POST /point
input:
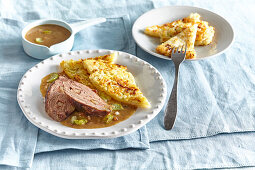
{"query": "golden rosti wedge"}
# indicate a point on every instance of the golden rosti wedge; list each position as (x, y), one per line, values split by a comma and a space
(187, 37)
(109, 58)
(173, 29)
(75, 70)
(115, 81)
(205, 33)
(154, 30)
(193, 18)
(170, 29)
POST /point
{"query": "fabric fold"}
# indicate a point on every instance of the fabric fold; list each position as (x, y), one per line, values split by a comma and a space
(212, 152)
(47, 142)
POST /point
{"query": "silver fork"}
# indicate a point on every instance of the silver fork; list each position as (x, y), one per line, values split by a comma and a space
(171, 109)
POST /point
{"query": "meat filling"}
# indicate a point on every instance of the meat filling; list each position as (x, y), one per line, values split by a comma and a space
(66, 95)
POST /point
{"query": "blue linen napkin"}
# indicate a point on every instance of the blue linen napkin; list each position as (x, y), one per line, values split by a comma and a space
(17, 136)
(233, 150)
(213, 152)
(47, 142)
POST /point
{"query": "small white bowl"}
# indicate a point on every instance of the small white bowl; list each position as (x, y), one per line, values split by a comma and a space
(43, 52)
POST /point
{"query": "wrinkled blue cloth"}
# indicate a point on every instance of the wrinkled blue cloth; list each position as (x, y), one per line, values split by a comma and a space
(214, 152)
(216, 95)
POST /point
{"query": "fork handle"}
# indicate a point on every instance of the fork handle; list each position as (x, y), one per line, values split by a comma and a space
(171, 108)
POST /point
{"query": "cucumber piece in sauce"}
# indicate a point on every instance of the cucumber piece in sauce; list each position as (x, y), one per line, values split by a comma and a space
(117, 106)
(108, 118)
(53, 77)
(47, 32)
(81, 122)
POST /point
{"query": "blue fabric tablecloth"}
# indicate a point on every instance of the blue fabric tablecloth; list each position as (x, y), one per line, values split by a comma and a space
(216, 96)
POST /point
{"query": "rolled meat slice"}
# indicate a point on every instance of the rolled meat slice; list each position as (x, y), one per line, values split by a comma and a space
(57, 103)
(85, 99)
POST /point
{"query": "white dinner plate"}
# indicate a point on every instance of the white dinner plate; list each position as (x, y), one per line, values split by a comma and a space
(147, 77)
(224, 34)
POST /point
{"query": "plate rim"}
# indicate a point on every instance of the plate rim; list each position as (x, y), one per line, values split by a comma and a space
(195, 7)
(117, 133)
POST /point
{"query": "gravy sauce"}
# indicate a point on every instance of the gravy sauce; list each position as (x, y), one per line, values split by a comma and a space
(92, 121)
(48, 34)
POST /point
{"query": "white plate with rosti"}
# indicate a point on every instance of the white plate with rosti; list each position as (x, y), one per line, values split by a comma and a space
(148, 79)
(223, 38)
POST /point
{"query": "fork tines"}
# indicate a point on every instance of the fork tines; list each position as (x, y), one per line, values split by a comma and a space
(183, 49)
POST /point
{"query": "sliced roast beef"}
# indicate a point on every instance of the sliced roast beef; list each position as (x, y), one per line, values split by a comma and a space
(66, 95)
(57, 103)
(85, 99)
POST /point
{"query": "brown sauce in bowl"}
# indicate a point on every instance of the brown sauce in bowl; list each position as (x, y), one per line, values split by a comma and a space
(48, 34)
(92, 121)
